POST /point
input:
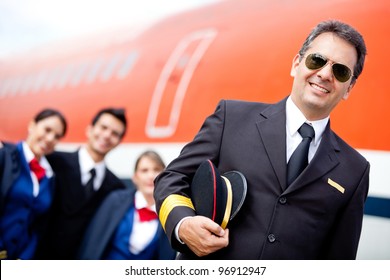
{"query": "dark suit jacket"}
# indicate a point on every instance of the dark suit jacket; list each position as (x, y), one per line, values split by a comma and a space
(311, 219)
(106, 221)
(71, 210)
(10, 167)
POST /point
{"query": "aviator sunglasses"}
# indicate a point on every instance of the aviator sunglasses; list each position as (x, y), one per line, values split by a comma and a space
(316, 61)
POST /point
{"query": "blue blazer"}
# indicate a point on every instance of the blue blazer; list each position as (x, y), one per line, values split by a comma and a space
(23, 217)
(105, 222)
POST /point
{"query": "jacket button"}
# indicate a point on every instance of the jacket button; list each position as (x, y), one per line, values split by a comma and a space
(283, 200)
(271, 238)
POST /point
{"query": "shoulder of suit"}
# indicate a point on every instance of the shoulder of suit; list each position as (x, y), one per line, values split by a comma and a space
(9, 155)
(245, 104)
(123, 193)
(59, 159)
(114, 179)
(123, 197)
(353, 154)
(10, 150)
(8, 145)
(243, 107)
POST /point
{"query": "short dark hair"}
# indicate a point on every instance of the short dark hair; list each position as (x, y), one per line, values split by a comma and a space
(343, 31)
(118, 113)
(49, 112)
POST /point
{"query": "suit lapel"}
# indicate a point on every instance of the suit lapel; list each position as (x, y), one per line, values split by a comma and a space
(323, 161)
(274, 139)
(124, 200)
(107, 184)
(73, 188)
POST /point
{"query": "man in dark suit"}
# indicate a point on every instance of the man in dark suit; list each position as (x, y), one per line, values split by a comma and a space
(82, 182)
(316, 215)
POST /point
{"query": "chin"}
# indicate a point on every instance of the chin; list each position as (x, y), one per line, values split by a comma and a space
(148, 193)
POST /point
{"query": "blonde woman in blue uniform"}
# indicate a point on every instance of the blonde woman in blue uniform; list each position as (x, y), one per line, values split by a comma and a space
(126, 225)
(27, 185)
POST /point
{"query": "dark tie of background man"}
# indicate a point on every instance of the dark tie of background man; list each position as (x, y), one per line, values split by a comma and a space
(299, 159)
(89, 190)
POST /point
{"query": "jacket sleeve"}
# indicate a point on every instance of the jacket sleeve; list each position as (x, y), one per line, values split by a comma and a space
(172, 187)
(104, 223)
(9, 169)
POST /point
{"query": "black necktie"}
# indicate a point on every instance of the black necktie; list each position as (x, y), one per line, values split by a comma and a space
(299, 159)
(89, 190)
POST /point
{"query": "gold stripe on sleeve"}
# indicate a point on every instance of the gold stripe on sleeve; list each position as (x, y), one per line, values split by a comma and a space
(172, 201)
(3, 255)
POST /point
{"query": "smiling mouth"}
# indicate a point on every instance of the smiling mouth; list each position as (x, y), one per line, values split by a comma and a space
(103, 144)
(317, 87)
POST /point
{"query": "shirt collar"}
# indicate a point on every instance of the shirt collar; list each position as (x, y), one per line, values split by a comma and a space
(87, 163)
(295, 119)
(140, 202)
(29, 155)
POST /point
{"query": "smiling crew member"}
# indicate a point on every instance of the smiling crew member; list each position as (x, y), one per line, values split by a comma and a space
(306, 187)
(82, 182)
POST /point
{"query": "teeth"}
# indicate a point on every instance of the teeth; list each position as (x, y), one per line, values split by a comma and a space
(319, 88)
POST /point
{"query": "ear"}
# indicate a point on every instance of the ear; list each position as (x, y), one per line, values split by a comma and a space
(31, 126)
(348, 92)
(295, 64)
(88, 131)
(30, 129)
(135, 180)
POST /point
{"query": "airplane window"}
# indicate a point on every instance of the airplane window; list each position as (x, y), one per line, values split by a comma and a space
(109, 69)
(127, 65)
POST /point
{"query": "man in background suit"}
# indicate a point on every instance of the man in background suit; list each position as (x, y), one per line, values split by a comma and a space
(316, 216)
(79, 189)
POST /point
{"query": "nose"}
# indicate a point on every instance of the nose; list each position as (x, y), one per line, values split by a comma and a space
(51, 137)
(106, 134)
(326, 72)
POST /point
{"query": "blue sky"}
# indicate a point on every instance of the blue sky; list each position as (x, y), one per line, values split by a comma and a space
(29, 23)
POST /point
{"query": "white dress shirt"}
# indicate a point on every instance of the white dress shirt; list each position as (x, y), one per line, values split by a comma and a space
(294, 120)
(86, 164)
(143, 232)
(29, 155)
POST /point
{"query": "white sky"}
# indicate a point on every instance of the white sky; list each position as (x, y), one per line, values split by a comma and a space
(28, 23)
